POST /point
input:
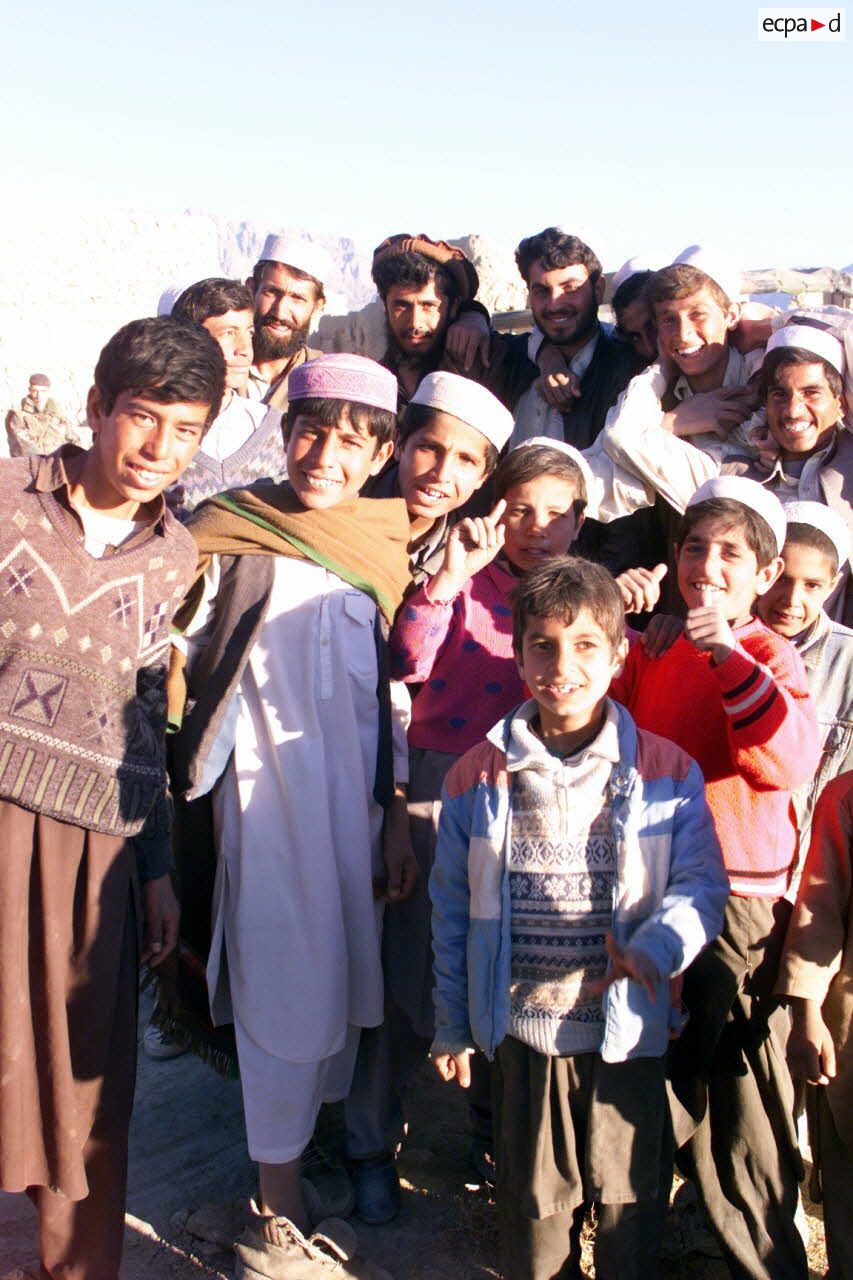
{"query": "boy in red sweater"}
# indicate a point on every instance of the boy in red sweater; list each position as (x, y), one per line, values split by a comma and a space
(734, 695)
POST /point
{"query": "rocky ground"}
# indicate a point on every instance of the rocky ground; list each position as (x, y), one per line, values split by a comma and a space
(189, 1172)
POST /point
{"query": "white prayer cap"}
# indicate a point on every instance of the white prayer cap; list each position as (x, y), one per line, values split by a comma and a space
(168, 298)
(816, 341)
(468, 401)
(714, 264)
(826, 520)
(570, 451)
(298, 252)
(640, 262)
(750, 494)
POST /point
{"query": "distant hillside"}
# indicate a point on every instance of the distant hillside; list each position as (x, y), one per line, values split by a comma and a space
(67, 283)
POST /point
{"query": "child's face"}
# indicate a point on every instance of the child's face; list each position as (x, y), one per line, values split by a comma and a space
(802, 409)
(234, 332)
(637, 326)
(540, 520)
(328, 465)
(799, 593)
(441, 466)
(140, 448)
(716, 565)
(693, 331)
(568, 668)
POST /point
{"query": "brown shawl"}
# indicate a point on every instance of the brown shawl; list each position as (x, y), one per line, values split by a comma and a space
(364, 541)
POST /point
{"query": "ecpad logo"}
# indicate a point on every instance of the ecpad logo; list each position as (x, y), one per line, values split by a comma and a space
(801, 24)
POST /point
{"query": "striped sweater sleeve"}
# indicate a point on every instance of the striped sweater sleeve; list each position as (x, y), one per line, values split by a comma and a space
(770, 719)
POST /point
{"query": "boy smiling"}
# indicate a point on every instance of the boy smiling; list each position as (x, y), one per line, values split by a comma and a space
(576, 870)
(447, 446)
(97, 565)
(734, 695)
(289, 733)
(815, 554)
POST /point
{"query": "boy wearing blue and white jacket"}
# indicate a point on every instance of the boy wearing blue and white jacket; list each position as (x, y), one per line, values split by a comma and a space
(577, 871)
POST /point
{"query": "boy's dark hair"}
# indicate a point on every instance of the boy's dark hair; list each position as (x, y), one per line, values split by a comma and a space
(784, 357)
(258, 275)
(560, 589)
(679, 281)
(555, 248)
(806, 535)
(523, 464)
(165, 360)
(629, 290)
(379, 423)
(760, 538)
(415, 271)
(212, 297)
(416, 416)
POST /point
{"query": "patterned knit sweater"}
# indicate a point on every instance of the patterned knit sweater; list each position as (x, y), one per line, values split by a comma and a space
(261, 457)
(751, 727)
(562, 876)
(83, 651)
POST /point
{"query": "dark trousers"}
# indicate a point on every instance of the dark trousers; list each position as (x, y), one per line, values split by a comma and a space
(834, 1161)
(573, 1131)
(732, 1096)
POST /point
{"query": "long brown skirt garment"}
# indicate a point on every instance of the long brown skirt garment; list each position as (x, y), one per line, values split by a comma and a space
(67, 999)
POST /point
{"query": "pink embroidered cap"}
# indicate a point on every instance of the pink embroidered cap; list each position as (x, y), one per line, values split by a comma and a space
(344, 377)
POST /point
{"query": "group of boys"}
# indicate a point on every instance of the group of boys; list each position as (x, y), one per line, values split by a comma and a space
(613, 828)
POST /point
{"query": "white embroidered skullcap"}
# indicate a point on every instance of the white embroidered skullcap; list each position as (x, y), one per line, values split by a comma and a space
(714, 264)
(468, 401)
(640, 262)
(168, 298)
(299, 252)
(816, 341)
(750, 494)
(826, 520)
(570, 451)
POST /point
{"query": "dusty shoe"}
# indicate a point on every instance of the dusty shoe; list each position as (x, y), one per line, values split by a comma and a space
(272, 1248)
(331, 1194)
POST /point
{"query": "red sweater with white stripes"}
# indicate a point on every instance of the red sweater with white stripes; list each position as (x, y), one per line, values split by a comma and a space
(750, 725)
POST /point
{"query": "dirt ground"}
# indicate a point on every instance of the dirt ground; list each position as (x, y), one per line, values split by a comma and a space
(189, 1170)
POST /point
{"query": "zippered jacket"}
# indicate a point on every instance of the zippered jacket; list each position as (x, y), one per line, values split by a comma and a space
(669, 893)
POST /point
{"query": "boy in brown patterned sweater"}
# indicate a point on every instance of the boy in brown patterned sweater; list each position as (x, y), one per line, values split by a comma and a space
(92, 568)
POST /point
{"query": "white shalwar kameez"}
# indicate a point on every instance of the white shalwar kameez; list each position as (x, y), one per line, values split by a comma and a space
(295, 955)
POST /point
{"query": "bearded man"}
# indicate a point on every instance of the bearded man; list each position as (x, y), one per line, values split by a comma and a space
(288, 284)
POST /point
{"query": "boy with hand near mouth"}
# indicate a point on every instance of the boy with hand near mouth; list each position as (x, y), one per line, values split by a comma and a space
(447, 446)
(734, 695)
(576, 871)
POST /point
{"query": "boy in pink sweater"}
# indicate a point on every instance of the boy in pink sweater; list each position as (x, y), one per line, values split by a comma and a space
(734, 695)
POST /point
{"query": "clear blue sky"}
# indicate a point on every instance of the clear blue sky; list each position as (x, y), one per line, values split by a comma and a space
(642, 124)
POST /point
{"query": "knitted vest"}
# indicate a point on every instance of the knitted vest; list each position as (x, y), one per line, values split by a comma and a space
(262, 457)
(83, 653)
